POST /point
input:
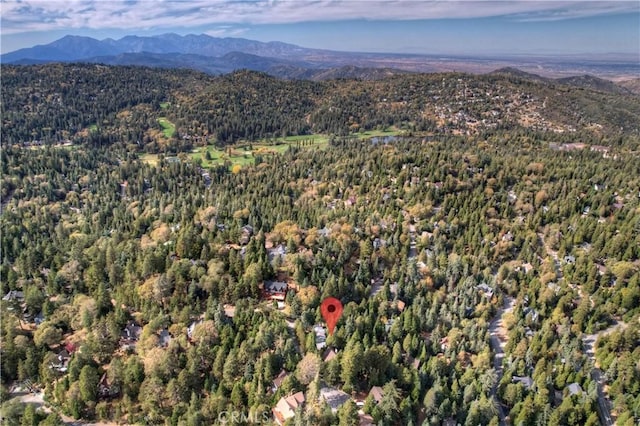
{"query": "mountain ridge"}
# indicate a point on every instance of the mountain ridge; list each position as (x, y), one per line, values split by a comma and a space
(252, 105)
(73, 48)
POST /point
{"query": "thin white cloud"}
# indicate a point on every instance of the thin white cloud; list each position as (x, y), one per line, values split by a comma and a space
(226, 31)
(22, 16)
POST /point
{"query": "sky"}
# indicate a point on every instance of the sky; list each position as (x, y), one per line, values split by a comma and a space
(478, 27)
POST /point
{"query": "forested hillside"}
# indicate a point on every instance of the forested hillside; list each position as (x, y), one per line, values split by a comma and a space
(99, 104)
(488, 273)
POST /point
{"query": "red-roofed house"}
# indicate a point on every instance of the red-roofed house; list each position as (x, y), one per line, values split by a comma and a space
(286, 407)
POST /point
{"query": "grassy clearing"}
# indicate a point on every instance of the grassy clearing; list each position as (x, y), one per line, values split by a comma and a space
(245, 153)
(217, 156)
(234, 155)
(93, 127)
(165, 105)
(379, 133)
(151, 159)
(168, 128)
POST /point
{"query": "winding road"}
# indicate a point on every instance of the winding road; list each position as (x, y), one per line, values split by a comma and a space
(604, 409)
(498, 340)
(589, 342)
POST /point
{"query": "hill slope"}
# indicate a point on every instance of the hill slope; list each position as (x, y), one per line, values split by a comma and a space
(594, 83)
(632, 85)
(58, 102)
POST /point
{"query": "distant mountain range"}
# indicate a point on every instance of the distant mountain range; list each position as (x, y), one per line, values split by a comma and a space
(215, 55)
(76, 48)
(203, 53)
(581, 81)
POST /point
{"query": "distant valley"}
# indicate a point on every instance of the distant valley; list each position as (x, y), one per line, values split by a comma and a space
(223, 55)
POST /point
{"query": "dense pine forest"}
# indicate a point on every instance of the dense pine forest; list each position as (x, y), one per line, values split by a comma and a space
(486, 254)
(102, 105)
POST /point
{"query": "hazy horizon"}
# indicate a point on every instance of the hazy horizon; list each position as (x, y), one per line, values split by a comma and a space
(477, 28)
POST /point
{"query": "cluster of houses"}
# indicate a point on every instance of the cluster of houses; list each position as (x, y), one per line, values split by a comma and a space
(572, 389)
(129, 338)
(15, 299)
(600, 149)
(288, 405)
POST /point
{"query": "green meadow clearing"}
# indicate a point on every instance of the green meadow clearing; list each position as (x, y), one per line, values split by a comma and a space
(168, 128)
(245, 153)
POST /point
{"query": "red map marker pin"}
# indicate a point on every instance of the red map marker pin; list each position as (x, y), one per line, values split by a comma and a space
(331, 309)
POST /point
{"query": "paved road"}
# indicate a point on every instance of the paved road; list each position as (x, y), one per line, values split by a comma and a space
(604, 410)
(497, 344)
(589, 342)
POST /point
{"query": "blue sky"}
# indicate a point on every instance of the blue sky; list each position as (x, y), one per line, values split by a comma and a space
(404, 26)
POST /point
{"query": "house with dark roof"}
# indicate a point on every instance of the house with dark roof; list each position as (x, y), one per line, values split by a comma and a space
(486, 290)
(531, 313)
(62, 358)
(333, 397)
(165, 338)
(329, 354)
(106, 389)
(245, 234)
(277, 382)
(14, 296)
(275, 290)
(379, 243)
(131, 332)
